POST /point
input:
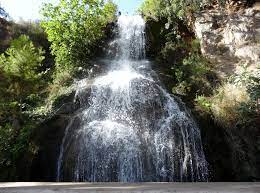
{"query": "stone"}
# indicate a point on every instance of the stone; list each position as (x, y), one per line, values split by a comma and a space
(229, 37)
(249, 52)
(238, 31)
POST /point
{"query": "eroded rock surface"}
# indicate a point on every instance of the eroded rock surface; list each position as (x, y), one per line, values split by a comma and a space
(230, 39)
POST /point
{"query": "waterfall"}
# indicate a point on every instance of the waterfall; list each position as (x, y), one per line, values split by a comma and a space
(130, 129)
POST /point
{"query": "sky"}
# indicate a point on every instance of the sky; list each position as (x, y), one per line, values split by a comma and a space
(128, 5)
(29, 9)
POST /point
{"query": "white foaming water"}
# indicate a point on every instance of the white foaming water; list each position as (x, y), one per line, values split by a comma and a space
(131, 40)
(130, 128)
(119, 79)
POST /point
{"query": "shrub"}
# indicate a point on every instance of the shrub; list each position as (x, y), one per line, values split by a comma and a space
(203, 104)
(236, 102)
(74, 27)
(20, 92)
(189, 68)
(226, 102)
(20, 66)
(174, 9)
(22, 59)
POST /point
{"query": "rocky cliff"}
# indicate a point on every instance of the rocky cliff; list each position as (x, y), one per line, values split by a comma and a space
(231, 39)
(228, 40)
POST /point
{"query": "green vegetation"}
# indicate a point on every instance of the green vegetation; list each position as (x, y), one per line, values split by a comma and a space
(194, 78)
(35, 72)
(190, 71)
(20, 92)
(173, 45)
(235, 103)
(228, 109)
(174, 10)
(74, 28)
(39, 61)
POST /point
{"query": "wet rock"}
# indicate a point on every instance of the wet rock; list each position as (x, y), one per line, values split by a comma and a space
(48, 135)
(48, 138)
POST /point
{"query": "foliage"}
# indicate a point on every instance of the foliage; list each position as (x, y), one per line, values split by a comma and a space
(20, 92)
(177, 45)
(236, 102)
(193, 73)
(31, 29)
(226, 102)
(189, 69)
(171, 9)
(151, 9)
(20, 66)
(22, 59)
(175, 10)
(74, 27)
(203, 104)
(250, 79)
(3, 13)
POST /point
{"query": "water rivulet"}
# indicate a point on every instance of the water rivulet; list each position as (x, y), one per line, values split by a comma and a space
(130, 129)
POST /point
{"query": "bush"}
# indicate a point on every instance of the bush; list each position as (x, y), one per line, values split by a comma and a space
(189, 69)
(20, 92)
(20, 66)
(179, 50)
(174, 9)
(74, 28)
(22, 59)
(226, 102)
(235, 102)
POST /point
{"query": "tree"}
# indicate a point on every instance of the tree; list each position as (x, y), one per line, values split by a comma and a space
(74, 27)
(3, 13)
(19, 66)
(20, 87)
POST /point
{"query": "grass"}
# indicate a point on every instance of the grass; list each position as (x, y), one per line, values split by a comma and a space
(224, 104)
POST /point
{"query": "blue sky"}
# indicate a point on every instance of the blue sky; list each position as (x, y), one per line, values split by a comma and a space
(29, 9)
(128, 5)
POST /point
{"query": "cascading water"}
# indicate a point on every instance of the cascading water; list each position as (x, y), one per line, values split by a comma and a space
(131, 129)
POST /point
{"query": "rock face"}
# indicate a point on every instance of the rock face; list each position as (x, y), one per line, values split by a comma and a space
(229, 38)
(48, 135)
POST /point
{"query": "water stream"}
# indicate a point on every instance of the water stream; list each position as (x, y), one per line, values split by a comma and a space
(130, 129)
